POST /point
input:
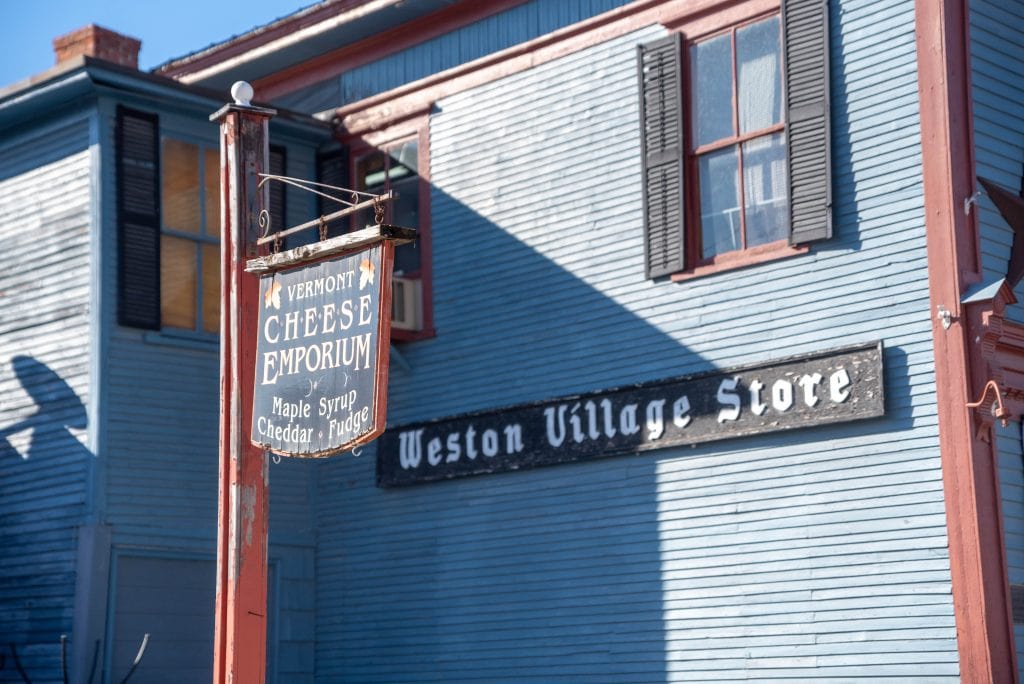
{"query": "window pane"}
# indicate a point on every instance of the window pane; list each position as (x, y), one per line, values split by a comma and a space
(764, 186)
(213, 193)
(177, 282)
(404, 160)
(759, 74)
(371, 177)
(405, 212)
(719, 205)
(180, 178)
(711, 85)
(211, 288)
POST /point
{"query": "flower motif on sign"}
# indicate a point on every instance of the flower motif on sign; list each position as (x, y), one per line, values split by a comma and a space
(366, 269)
(272, 297)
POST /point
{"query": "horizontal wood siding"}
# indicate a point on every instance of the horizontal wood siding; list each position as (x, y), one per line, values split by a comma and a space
(163, 406)
(506, 29)
(1011, 485)
(997, 61)
(814, 555)
(45, 205)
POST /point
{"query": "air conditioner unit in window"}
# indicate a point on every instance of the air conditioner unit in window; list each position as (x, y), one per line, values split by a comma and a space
(406, 304)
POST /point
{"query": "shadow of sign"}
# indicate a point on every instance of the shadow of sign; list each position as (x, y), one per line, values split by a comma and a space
(57, 408)
(43, 474)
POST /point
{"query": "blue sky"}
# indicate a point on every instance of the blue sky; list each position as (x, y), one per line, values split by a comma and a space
(166, 29)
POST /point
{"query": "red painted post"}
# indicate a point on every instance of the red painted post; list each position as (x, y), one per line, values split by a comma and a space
(241, 621)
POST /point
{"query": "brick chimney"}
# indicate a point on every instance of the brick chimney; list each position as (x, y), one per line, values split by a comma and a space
(96, 41)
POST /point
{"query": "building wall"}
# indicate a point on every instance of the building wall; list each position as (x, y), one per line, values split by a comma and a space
(46, 453)
(161, 478)
(503, 30)
(997, 60)
(817, 554)
(1011, 484)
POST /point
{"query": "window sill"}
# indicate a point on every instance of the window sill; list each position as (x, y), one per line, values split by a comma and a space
(412, 335)
(183, 339)
(740, 259)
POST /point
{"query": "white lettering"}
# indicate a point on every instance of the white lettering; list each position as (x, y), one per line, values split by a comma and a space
(729, 399)
(837, 384)
(489, 443)
(609, 429)
(454, 449)
(680, 407)
(410, 448)
(513, 438)
(434, 451)
(808, 383)
(757, 406)
(628, 424)
(591, 409)
(266, 329)
(470, 447)
(782, 395)
(574, 420)
(655, 419)
(364, 309)
(555, 433)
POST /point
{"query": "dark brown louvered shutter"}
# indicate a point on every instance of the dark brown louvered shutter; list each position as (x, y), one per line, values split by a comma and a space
(276, 189)
(332, 169)
(661, 138)
(137, 150)
(805, 45)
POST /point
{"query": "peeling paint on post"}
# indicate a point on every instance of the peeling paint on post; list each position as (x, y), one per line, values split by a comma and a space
(240, 635)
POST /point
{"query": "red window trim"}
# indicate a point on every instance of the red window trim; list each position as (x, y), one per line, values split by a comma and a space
(729, 261)
(417, 128)
(745, 256)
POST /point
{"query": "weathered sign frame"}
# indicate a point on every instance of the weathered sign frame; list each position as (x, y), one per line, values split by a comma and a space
(335, 249)
(822, 388)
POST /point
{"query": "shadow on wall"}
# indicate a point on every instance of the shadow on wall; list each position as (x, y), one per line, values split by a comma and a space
(57, 406)
(552, 574)
(43, 474)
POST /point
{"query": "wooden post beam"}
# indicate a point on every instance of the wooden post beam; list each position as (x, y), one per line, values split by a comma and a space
(240, 647)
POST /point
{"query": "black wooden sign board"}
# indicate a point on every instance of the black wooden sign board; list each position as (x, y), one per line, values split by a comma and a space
(835, 386)
(322, 354)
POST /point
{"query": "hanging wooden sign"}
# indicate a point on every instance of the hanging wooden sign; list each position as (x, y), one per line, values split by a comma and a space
(322, 353)
(835, 386)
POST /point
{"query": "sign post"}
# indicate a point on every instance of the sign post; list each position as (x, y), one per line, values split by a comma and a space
(240, 635)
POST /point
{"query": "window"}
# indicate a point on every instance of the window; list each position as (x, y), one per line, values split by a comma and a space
(739, 139)
(190, 237)
(377, 165)
(393, 168)
(735, 142)
(168, 216)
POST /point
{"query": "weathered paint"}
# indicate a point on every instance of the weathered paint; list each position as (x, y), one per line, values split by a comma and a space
(241, 619)
(818, 556)
(980, 587)
(46, 215)
(161, 486)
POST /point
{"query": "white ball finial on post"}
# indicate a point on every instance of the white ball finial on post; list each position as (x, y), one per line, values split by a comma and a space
(243, 93)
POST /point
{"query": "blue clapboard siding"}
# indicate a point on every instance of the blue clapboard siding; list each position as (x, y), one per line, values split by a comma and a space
(45, 205)
(161, 448)
(506, 29)
(819, 554)
(997, 60)
(1011, 483)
